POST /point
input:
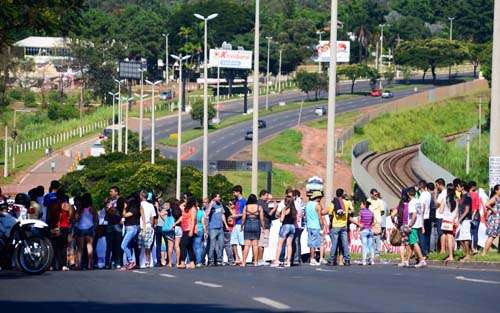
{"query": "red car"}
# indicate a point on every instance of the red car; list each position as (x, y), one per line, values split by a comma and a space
(376, 92)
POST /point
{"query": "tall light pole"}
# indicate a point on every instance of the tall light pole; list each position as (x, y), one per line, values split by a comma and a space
(114, 95)
(330, 145)
(451, 39)
(205, 103)
(126, 123)
(494, 160)
(319, 32)
(279, 72)
(120, 118)
(166, 57)
(141, 109)
(267, 73)
(6, 152)
(179, 59)
(255, 126)
(153, 118)
(382, 42)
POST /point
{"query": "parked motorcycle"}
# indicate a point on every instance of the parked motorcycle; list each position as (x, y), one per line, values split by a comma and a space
(23, 242)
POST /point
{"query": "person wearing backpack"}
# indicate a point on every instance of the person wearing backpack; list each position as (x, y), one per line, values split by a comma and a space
(339, 211)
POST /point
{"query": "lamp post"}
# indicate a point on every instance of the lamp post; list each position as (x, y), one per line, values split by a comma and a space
(120, 121)
(319, 32)
(141, 109)
(153, 118)
(330, 148)
(267, 73)
(494, 159)
(179, 58)
(114, 95)
(205, 103)
(255, 126)
(279, 72)
(126, 122)
(6, 152)
(166, 57)
(451, 39)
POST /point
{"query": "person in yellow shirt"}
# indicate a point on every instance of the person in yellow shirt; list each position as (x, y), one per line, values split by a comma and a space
(339, 211)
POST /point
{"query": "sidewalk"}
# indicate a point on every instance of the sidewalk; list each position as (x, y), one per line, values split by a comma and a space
(41, 174)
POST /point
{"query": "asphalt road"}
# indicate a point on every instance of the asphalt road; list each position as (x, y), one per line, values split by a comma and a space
(380, 288)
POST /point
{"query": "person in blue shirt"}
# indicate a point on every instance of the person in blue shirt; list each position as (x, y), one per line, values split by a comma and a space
(237, 234)
(216, 224)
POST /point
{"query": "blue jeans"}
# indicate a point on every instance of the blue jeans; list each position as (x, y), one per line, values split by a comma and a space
(216, 237)
(377, 244)
(130, 232)
(198, 248)
(367, 243)
(335, 233)
(425, 239)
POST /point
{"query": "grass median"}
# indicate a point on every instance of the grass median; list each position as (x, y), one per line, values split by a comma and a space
(280, 180)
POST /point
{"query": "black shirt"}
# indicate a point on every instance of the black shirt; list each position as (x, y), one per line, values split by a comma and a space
(265, 209)
(134, 219)
(465, 201)
(289, 219)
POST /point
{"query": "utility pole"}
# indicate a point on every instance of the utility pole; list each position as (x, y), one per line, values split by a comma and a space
(120, 118)
(205, 101)
(451, 39)
(494, 160)
(179, 59)
(330, 145)
(255, 126)
(141, 109)
(153, 146)
(382, 49)
(166, 57)
(267, 74)
(319, 32)
(6, 152)
(479, 126)
(467, 159)
(113, 124)
(279, 72)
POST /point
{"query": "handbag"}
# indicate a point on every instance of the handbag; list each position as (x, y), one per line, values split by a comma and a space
(396, 237)
(447, 224)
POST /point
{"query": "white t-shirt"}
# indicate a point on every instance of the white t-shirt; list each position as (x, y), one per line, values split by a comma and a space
(414, 207)
(440, 199)
(149, 213)
(425, 202)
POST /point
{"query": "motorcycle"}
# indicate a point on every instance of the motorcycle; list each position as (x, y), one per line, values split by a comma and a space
(23, 242)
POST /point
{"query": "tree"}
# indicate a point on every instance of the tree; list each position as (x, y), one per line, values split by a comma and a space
(197, 112)
(356, 71)
(474, 54)
(389, 75)
(485, 59)
(305, 81)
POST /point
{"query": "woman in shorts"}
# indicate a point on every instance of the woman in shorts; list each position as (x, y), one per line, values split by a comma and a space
(252, 220)
(493, 219)
(288, 217)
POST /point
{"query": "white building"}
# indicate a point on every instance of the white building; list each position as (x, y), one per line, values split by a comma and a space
(45, 49)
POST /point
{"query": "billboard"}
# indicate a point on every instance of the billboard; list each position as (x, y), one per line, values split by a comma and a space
(130, 69)
(240, 59)
(343, 51)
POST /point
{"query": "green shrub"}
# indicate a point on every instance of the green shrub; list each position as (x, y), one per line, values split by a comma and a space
(16, 94)
(29, 99)
(57, 111)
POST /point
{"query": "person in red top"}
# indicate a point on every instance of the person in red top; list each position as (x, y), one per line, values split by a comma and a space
(60, 213)
(476, 216)
(188, 225)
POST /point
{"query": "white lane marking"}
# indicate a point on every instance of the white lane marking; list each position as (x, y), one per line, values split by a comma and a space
(167, 275)
(207, 284)
(323, 270)
(477, 280)
(139, 272)
(272, 303)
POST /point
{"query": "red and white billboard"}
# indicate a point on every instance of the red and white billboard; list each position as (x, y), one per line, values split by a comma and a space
(240, 59)
(343, 51)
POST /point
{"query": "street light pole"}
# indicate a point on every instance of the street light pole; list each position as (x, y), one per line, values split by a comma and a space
(153, 118)
(319, 32)
(126, 123)
(141, 110)
(205, 102)
(120, 121)
(279, 72)
(267, 74)
(451, 39)
(179, 59)
(494, 160)
(166, 57)
(113, 123)
(330, 145)
(255, 126)
(6, 153)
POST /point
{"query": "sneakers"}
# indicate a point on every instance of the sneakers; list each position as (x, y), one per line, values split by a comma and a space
(323, 262)
(314, 263)
(421, 264)
(404, 264)
(275, 264)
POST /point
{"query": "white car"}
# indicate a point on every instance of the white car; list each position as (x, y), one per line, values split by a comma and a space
(320, 111)
(97, 149)
(387, 94)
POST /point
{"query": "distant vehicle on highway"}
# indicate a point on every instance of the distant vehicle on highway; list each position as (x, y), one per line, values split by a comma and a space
(262, 124)
(108, 131)
(387, 94)
(97, 149)
(320, 111)
(249, 135)
(376, 92)
(166, 95)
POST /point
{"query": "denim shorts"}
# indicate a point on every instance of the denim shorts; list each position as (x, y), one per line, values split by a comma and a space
(178, 232)
(313, 238)
(287, 230)
(89, 232)
(169, 234)
(237, 236)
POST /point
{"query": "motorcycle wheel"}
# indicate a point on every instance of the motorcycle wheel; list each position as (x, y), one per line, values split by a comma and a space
(33, 255)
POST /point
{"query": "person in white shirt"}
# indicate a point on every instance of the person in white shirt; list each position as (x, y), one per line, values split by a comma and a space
(440, 201)
(425, 199)
(415, 223)
(146, 234)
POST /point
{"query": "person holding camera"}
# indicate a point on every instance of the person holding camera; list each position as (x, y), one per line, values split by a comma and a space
(339, 211)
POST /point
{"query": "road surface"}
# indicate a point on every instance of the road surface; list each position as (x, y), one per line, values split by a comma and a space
(380, 288)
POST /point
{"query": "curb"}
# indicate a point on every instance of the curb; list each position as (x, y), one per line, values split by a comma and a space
(466, 265)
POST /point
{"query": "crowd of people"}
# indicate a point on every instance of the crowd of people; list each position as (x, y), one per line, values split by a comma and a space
(143, 230)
